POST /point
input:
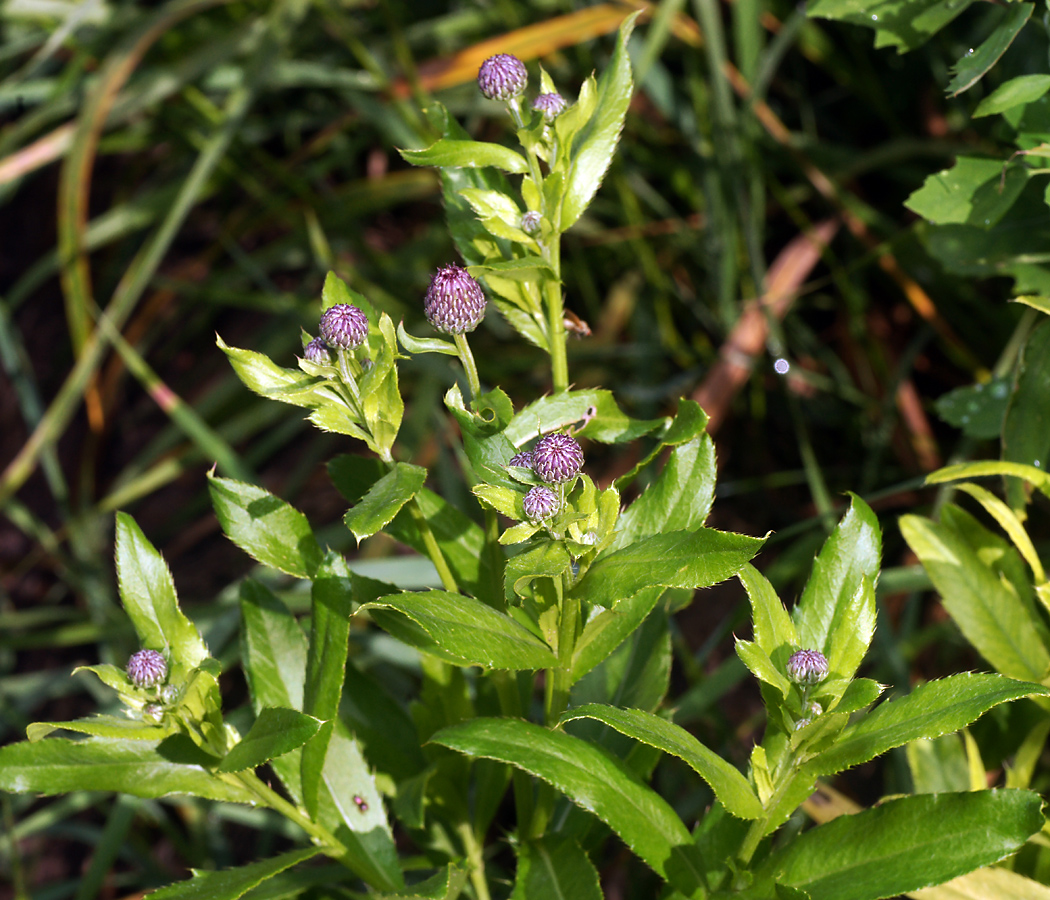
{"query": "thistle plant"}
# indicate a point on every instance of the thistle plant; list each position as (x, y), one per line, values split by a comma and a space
(541, 650)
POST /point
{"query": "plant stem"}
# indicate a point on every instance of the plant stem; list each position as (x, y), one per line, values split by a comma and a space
(556, 319)
(433, 550)
(475, 859)
(270, 798)
(467, 358)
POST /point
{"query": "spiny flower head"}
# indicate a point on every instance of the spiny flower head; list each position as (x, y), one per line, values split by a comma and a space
(523, 459)
(147, 668)
(317, 352)
(502, 77)
(344, 326)
(807, 667)
(454, 302)
(557, 458)
(540, 503)
(530, 222)
(551, 105)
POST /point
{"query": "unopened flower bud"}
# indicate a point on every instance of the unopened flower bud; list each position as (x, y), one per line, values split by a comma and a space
(540, 503)
(454, 302)
(807, 667)
(551, 105)
(523, 459)
(502, 77)
(530, 222)
(153, 712)
(317, 352)
(147, 668)
(344, 326)
(557, 458)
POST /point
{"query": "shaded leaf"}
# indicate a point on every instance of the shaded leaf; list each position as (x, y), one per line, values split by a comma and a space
(384, 500)
(275, 732)
(553, 867)
(976, 63)
(230, 884)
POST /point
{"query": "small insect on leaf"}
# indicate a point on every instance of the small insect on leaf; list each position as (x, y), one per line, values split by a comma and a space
(361, 804)
(575, 325)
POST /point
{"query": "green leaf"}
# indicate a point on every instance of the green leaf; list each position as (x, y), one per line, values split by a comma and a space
(384, 500)
(689, 423)
(230, 884)
(425, 345)
(976, 63)
(977, 409)
(1042, 304)
(276, 732)
(1010, 523)
(336, 291)
(836, 614)
(265, 527)
(522, 268)
(988, 612)
(148, 594)
(991, 883)
(773, 629)
(102, 726)
(938, 765)
(686, 559)
(1026, 430)
(605, 632)
(762, 666)
(59, 766)
(468, 154)
(730, 787)
(447, 884)
(1033, 475)
(1015, 92)
(273, 650)
(594, 146)
(904, 845)
(593, 780)
(264, 377)
(904, 24)
(972, 192)
(932, 709)
(461, 630)
(547, 560)
(605, 421)
(553, 867)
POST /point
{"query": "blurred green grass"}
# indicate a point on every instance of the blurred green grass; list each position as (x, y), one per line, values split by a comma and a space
(169, 170)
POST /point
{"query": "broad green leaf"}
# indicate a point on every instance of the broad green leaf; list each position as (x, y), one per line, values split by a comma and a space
(730, 787)
(230, 884)
(462, 542)
(502, 499)
(832, 597)
(264, 377)
(60, 766)
(148, 594)
(678, 500)
(547, 560)
(265, 527)
(1015, 92)
(349, 805)
(1009, 522)
(604, 420)
(977, 409)
(688, 424)
(467, 154)
(861, 692)
(1032, 474)
(276, 732)
(524, 268)
(904, 24)
(991, 883)
(1026, 430)
(331, 605)
(594, 146)
(971, 192)
(384, 500)
(425, 345)
(773, 629)
(109, 675)
(460, 629)
(593, 780)
(336, 291)
(273, 651)
(605, 632)
(938, 765)
(1042, 304)
(762, 667)
(103, 726)
(686, 559)
(903, 845)
(976, 63)
(553, 868)
(988, 612)
(935, 708)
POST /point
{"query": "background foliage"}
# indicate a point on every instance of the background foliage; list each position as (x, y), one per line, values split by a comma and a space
(172, 170)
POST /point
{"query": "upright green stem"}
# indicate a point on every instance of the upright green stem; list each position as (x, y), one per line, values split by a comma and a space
(433, 550)
(269, 797)
(467, 358)
(556, 319)
(475, 859)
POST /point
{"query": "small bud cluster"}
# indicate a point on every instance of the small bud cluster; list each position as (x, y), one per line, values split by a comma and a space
(147, 668)
(557, 458)
(454, 303)
(807, 667)
(530, 222)
(502, 77)
(317, 352)
(523, 459)
(343, 327)
(540, 503)
(551, 105)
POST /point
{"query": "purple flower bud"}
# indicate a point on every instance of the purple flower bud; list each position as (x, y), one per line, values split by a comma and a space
(153, 712)
(344, 326)
(807, 667)
(317, 352)
(551, 105)
(540, 503)
(147, 668)
(523, 459)
(557, 458)
(454, 302)
(502, 77)
(530, 222)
